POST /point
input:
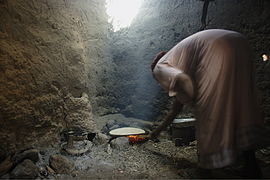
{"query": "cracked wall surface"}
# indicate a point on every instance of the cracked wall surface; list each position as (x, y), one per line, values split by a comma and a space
(50, 50)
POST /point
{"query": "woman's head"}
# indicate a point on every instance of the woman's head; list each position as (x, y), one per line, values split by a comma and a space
(157, 58)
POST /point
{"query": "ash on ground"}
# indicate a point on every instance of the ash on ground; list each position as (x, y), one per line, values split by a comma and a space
(139, 161)
(150, 160)
(117, 160)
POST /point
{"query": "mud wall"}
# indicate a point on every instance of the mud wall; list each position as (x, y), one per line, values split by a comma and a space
(53, 68)
(160, 25)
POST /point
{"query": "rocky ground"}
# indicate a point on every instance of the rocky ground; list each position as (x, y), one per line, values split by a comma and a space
(117, 160)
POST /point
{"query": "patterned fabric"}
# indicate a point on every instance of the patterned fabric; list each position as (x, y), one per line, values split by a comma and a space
(219, 62)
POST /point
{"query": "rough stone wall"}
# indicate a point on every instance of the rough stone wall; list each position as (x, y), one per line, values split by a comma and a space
(50, 53)
(160, 25)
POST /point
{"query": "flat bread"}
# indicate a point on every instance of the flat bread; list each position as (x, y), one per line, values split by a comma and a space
(126, 131)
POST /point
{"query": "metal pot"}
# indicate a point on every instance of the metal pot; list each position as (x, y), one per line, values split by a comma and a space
(183, 131)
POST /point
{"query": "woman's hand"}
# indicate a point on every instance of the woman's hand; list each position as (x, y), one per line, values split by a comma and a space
(176, 108)
(155, 133)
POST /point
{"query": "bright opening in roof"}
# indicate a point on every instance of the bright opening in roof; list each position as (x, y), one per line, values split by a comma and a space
(122, 12)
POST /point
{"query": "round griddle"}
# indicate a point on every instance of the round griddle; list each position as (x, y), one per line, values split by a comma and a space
(126, 131)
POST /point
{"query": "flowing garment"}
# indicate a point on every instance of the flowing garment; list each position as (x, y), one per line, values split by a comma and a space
(228, 119)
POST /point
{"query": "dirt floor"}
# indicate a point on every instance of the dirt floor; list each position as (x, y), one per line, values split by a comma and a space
(150, 160)
(120, 159)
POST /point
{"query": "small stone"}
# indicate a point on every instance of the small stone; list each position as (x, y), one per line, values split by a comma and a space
(5, 166)
(60, 164)
(50, 170)
(110, 123)
(43, 171)
(79, 147)
(42, 152)
(74, 173)
(109, 149)
(32, 154)
(54, 26)
(25, 170)
(120, 143)
(100, 139)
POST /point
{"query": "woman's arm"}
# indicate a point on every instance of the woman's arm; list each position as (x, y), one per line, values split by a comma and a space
(176, 109)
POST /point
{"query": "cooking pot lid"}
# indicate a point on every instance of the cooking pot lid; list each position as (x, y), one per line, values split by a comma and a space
(126, 131)
(187, 120)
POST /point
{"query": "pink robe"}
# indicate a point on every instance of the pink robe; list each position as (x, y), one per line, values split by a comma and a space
(228, 119)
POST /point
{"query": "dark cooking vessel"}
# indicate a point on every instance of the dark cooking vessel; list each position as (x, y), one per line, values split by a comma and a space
(183, 131)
